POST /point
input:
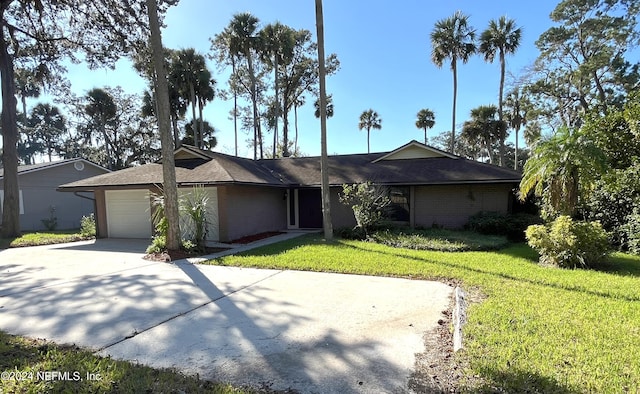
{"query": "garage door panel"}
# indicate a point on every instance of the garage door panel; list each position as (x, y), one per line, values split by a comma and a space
(128, 213)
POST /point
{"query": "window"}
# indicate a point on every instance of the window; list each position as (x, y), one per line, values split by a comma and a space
(399, 208)
(2, 202)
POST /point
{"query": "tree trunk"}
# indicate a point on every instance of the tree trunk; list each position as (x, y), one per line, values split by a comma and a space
(295, 118)
(235, 105)
(11, 207)
(515, 165)
(201, 121)
(170, 188)
(452, 142)
(368, 148)
(194, 122)
(275, 131)
(502, 130)
(285, 128)
(257, 140)
(324, 161)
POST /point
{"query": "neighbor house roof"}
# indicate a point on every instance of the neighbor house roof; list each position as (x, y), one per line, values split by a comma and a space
(411, 164)
(25, 169)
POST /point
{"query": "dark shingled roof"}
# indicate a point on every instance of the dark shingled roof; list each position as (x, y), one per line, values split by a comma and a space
(41, 166)
(205, 167)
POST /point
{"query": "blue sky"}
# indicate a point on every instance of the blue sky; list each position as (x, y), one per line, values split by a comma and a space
(384, 50)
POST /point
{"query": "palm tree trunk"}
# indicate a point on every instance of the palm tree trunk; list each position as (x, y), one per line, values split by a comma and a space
(502, 130)
(275, 78)
(295, 119)
(425, 136)
(368, 148)
(254, 99)
(201, 122)
(452, 142)
(192, 93)
(324, 161)
(285, 128)
(515, 165)
(235, 105)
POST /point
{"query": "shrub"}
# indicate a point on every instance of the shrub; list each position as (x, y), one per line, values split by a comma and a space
(355, 233)
(614, 198)
(158, 244)
(194, 206)
(88, 226)
(50, 223)
(631, 230)
(511, 226)
(569, 244)
(367, 202)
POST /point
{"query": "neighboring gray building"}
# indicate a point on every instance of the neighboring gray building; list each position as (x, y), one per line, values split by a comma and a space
(428, 187)
(38, 194)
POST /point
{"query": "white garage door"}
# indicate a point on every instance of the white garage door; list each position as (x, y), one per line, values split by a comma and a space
(128, 213)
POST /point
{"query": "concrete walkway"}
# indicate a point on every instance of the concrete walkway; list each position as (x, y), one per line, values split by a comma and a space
(312, 332)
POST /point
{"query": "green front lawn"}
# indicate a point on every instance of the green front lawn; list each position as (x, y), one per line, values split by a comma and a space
(24, 364)
(41, 238)
(536, 328)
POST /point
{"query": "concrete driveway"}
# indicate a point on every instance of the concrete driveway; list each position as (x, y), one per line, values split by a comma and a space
(311, 332)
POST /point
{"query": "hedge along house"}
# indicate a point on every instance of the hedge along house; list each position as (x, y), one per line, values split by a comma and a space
(39, 199)
(427, 187)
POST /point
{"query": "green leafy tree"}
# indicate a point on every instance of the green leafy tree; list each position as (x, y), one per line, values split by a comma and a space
(502, 37)
(562, 171)
(369, 119)
(452, 38)
(43, 33)
(583, 62)
(426, 120)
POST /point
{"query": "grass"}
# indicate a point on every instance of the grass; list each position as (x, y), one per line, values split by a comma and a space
(23, 359)
(41, 238)
(537, 329)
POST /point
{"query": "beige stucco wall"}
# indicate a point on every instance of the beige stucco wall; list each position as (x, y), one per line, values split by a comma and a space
(451, 206)
(341, 215)
(247, 210)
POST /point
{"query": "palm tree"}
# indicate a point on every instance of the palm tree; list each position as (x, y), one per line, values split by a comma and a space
(501, 37)
(277, 41)
(101, 110)
(244, 28)
(426, 120)
(369, 120)
(516, 116)
(324, 161)
(193, 82)
(226, 47)
(453, 38)
(562, 169)
(297, 103)
(484, 127)
(316, 105)
(48, 125)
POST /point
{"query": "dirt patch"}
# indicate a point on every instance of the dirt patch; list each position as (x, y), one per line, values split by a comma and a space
(256, 237)
(437, 370)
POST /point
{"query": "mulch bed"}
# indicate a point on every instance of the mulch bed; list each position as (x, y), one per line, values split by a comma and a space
(256, 237)
(173, 255)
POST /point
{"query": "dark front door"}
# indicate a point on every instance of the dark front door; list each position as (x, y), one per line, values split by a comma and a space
(310, 206)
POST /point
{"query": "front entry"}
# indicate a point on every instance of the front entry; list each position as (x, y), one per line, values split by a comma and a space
(310, 208)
